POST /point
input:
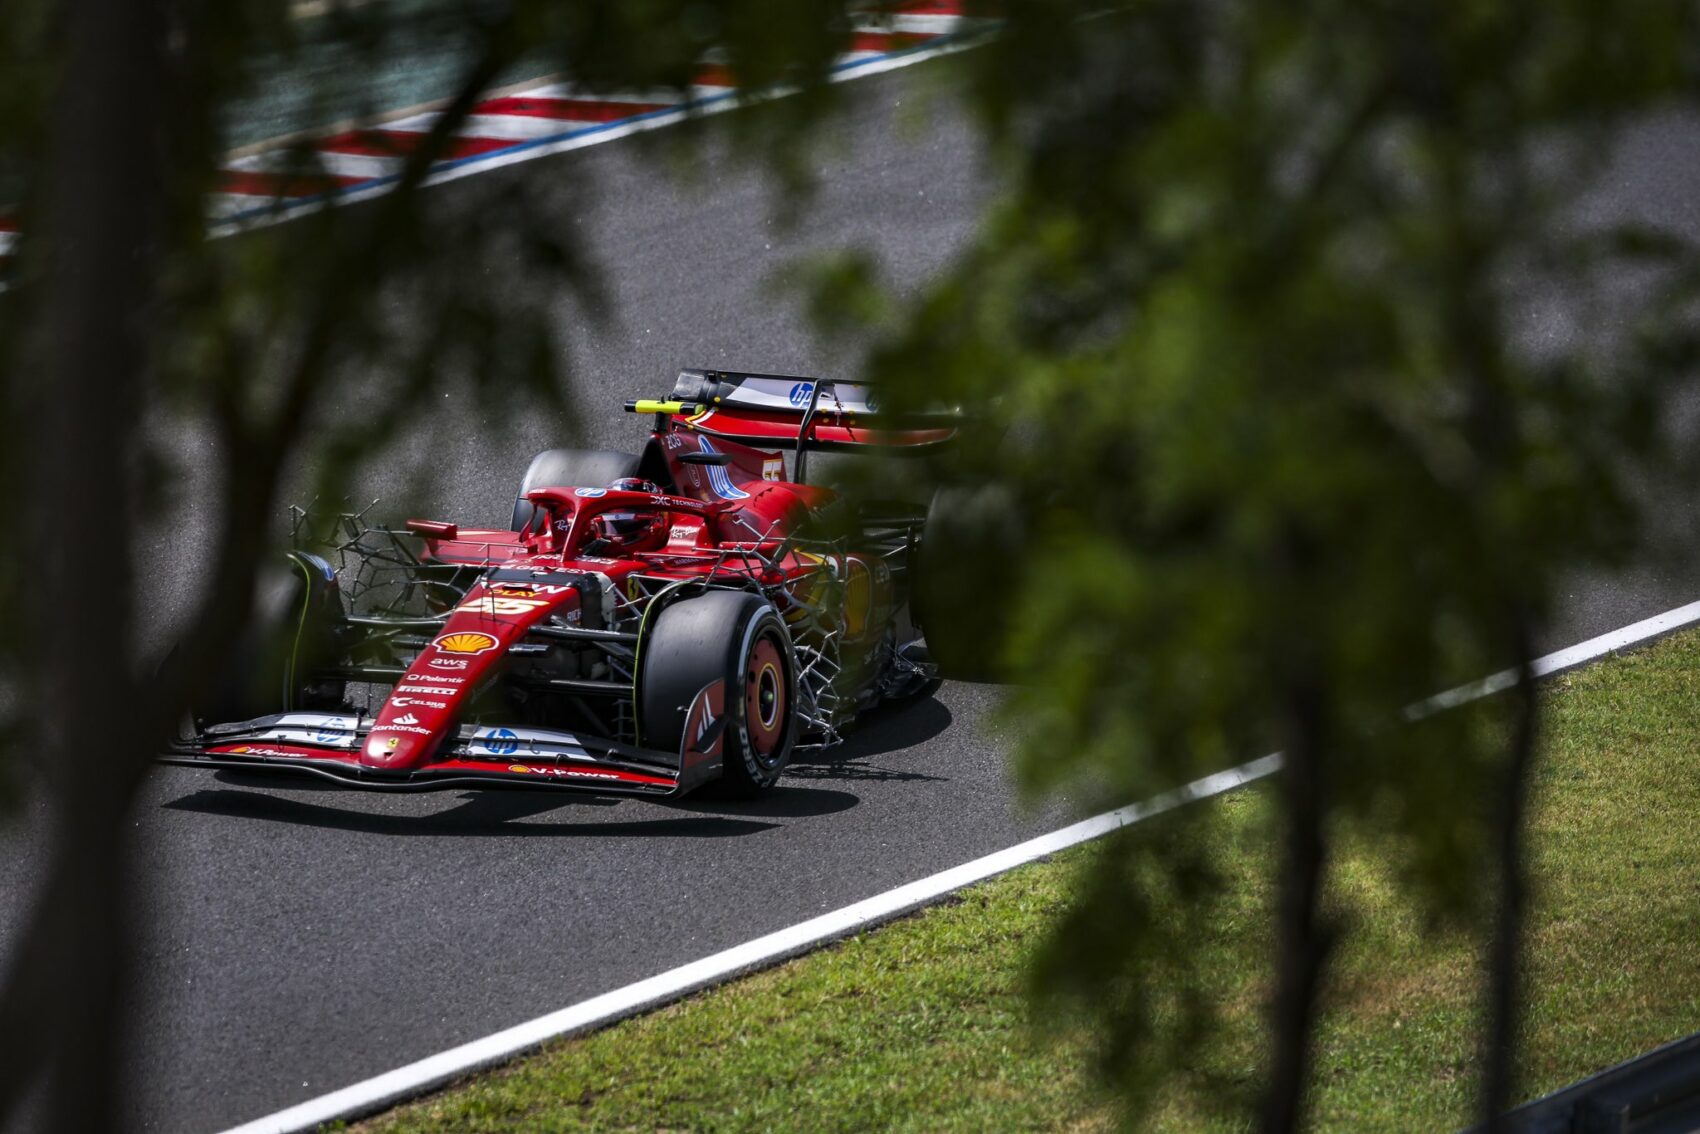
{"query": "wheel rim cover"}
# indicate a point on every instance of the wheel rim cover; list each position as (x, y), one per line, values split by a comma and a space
(764, 697)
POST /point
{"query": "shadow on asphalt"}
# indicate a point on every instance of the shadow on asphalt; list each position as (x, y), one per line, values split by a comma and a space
(480, 814)
(883, 731)
(786, 801)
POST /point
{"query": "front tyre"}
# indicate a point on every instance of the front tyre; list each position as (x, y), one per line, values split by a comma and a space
(729, 649)
(294, 632)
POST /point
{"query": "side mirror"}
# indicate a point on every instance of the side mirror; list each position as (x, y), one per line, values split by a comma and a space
(704, 459)
(434, 529)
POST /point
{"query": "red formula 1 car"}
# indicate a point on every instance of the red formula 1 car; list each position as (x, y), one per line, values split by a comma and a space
(650, 624)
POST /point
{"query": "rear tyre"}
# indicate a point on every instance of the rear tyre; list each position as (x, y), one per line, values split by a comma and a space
(569, 468)
(294, 632)
(738, 640)
(960, 597)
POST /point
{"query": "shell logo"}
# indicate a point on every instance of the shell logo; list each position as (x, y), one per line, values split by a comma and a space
(518, 768)
(465, 642)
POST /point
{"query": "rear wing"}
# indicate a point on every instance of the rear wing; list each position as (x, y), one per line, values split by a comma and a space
(786, 411)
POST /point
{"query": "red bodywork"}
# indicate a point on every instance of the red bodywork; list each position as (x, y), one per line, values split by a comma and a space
(733, 520)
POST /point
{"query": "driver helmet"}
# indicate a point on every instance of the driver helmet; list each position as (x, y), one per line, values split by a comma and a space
(633, 531)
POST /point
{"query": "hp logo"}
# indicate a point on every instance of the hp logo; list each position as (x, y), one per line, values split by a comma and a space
(331, 730)
(502, 742)
(800, 393)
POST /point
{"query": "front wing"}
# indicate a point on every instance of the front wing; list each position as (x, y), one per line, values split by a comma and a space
(327, 746)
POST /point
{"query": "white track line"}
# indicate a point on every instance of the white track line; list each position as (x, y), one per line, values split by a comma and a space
(914, 25)
(578, 92)
(313, 9)
(507, 127)
(416, 1078)
(1633, 634)
(363, 166)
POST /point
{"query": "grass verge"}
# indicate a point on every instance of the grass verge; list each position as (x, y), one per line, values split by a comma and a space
(924, 1025)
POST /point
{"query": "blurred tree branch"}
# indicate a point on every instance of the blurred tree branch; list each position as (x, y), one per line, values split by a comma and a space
(1246, 345)
(122, 310)
(1243, 337)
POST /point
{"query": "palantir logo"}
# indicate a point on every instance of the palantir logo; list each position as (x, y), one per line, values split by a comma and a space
(800, 393)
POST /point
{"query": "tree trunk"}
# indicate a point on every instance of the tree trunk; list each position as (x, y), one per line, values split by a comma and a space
(89, 248)
(1302, 938)
(1505, 953)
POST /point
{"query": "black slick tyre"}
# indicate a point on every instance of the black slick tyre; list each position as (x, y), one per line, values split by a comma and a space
(569, 468)
(738, 640)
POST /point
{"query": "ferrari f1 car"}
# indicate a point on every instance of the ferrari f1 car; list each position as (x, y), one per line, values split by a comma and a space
(650, 623)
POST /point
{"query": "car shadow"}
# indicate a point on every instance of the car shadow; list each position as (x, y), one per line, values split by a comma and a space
(887, 729)
(786, 800)
(883, 731)
(481, 814)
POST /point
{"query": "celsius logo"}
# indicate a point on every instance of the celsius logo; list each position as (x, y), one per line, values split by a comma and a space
(800, 393)
(500, 742)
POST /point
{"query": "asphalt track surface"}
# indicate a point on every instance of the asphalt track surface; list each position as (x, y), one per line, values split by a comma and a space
(302, 939)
